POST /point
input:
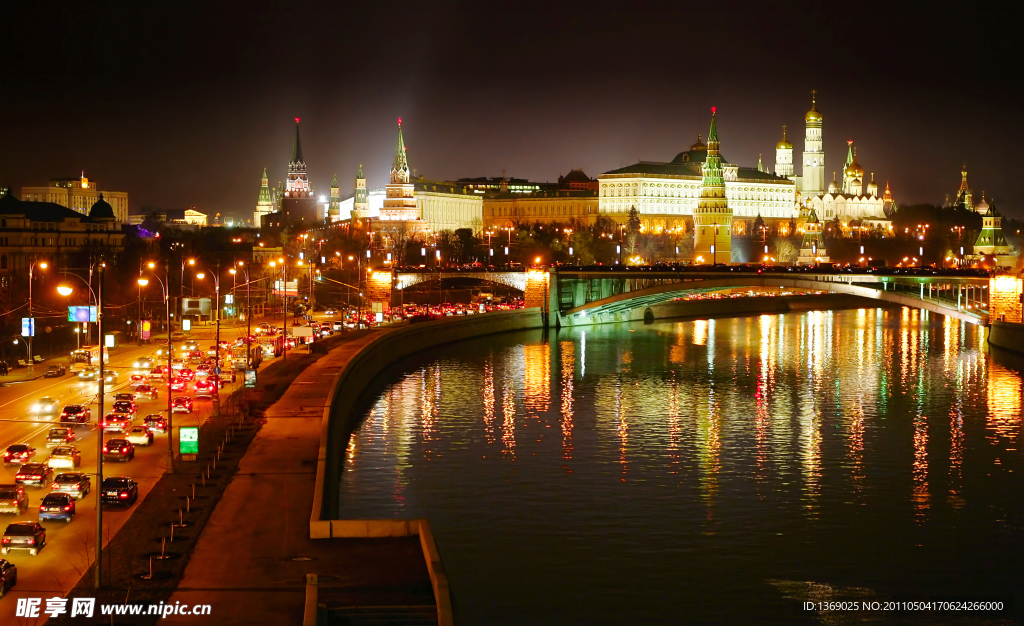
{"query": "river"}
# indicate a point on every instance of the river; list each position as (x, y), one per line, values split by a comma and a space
(706, 471)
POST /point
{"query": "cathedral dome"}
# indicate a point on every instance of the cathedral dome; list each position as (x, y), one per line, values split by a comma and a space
(101, 210)
(813, 115)
(982, 207)
(699, 145)
(783, 145)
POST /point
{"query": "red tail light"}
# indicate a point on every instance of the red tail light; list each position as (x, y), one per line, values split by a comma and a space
(32, 540)
(67, 507)
(78, 486)
(20, 477)
(7, 540)
(123, 494)
(106, 449)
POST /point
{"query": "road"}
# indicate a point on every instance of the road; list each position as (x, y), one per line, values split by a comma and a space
(69, 547)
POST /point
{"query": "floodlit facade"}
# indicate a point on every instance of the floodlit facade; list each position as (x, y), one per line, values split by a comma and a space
(78, 194)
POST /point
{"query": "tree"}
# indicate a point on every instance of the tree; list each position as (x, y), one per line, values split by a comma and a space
(783, 249)
(632, 230)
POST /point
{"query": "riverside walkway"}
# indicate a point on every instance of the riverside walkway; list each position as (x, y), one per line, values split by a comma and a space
(252, 560)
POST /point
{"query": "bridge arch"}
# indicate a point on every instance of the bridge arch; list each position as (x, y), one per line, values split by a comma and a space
(618, 307)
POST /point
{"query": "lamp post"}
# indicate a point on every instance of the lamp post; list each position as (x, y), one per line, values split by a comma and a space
(248, 313)
(66, 290)
(284, 303)
(170, 409)
(31, 320)
(217, 370)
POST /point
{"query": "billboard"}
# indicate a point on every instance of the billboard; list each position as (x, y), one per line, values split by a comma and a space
(199, 307)
(188, 440)
(290, 289)
(81, 314)
(28, 327)
(147, 330)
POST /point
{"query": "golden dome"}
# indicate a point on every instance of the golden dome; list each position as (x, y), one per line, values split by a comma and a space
(812, 116)
(783, 145)
(699, 145)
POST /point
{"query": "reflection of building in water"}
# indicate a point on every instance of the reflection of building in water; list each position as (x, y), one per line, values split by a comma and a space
(488, 400)
(568, 362)
(1004, 389)
(921, 496)
(536, 378)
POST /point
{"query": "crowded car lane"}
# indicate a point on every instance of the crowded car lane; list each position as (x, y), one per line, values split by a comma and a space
(69, 545)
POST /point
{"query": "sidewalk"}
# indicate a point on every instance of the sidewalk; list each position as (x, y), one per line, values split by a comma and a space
(251, 561)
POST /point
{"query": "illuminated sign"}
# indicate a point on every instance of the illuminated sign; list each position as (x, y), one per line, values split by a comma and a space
(188, 440)
(81, 314)
(28, 327)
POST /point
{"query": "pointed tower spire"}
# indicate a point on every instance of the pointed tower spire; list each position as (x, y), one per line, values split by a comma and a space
(359, 174)
(265, 201)
(297, 145)
(400, 162)
(712, 217)
(334, 184)
(360, 200)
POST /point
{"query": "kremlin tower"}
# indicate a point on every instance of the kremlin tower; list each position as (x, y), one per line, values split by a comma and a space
(712, 219)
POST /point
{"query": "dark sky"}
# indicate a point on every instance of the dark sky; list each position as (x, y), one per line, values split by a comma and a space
(185, 104)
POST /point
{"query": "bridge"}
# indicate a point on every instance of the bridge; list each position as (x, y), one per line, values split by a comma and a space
(574, 296)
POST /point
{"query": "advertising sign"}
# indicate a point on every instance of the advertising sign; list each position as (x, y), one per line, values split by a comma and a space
(188, 440)
(250, 379)
(186, 325)
(199, 307)
(229, 299)
(301, 331)
(81, 314)
(290, 289)
(147, 329)
(109, 341)
(28, 327)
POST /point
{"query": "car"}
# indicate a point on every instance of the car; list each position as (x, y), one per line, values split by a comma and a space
(148, 391)
(8, 576)
(75, 484)
(89, 373)
(204, 369)
(76, 414)
(119, 490)
(139, 436)
(124, 407)
(57, 506)
(118, 450)
(157, 373)
(338, 326)
(137, 380)
(186, 374)
(179, 384)
(123, 396)
(178, 336)
(205, 389)
(35, 474)
(156, 423)
(116, 423)
(23, 536)
(182, 404)
(13, 499)
(330, 312)
(43, 406)
(110, 376)
(65, 457)
(143, 363)
(177, 364)
(190, 345)
(194, 356)
(19, 453)
(59, 436)
(54, 371)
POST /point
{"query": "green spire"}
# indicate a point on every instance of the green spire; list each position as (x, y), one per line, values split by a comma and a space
(714, 180)
(400, 163)
(297, 145)
(264, 198)
(334, 185)
(849, 153)
(713, 133)
(359, 174)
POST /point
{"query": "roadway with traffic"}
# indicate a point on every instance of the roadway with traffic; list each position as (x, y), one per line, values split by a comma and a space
(69, 547)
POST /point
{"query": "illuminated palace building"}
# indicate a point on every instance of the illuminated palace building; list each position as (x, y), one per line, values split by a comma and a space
(667, 194)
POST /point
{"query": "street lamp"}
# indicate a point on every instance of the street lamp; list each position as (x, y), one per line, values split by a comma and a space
(248, 313)
(66, 290)
(143, 281)
(284, 303)
(216, 390)
(31, 320)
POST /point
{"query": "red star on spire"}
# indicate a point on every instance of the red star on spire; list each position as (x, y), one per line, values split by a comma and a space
(296, 120)
(399, 121)
(713, 109)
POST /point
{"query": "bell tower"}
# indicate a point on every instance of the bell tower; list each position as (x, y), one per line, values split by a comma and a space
(814, 154)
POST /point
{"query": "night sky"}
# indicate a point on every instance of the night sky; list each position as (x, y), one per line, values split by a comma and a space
(183, 105)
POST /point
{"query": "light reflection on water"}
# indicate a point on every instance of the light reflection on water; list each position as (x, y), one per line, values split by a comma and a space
(639, 474)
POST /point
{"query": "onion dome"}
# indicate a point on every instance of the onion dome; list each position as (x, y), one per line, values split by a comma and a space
(813, 115)
(833, 187)
(854, 170)
(699, 145)
(101, 210)
(982, 207)
(784, 144)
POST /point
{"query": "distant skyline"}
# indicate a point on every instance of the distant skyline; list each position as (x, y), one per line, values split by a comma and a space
(181, 111)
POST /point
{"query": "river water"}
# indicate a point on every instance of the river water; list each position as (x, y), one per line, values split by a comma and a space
(707, 471)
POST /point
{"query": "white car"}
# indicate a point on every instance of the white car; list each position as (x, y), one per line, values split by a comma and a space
(44, 406)
(143, 363)
(65, 457)
(139, 436)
